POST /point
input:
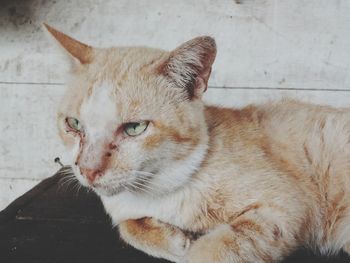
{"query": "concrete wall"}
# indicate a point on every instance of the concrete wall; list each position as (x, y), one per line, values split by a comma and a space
(266, 49)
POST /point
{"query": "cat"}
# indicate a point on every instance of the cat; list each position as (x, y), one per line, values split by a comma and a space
(194, 183)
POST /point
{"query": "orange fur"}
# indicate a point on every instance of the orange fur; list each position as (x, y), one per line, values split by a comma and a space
(222, 185)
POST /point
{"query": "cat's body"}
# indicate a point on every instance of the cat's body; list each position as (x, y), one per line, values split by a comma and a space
(203, 183)
(286, 163)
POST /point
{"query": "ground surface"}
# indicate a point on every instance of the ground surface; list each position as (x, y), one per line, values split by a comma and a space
(53, 223)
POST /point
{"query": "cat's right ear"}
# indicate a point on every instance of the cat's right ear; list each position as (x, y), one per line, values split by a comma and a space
(78, 51)
(189, 65)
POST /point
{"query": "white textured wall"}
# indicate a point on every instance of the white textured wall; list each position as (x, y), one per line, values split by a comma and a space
(266, 49)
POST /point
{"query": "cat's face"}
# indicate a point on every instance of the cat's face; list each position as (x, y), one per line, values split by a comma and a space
(133, 118)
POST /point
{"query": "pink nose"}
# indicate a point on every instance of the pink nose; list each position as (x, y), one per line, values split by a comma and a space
(91, 174)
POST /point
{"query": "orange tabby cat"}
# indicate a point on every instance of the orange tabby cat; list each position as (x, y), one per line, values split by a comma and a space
(195, 183)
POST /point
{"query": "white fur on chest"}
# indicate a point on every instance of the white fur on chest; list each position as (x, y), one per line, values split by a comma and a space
(176, 209)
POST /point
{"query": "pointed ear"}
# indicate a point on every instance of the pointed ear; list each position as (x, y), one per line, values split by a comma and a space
(81, 52)
(189, 65)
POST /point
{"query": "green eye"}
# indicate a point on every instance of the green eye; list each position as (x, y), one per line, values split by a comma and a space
(135, 128)
(74, 124)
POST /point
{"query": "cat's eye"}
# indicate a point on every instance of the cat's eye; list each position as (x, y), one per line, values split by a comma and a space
(135, 128)
(74, 124)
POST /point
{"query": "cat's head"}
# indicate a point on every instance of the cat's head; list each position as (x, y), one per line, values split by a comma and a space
(133, 116)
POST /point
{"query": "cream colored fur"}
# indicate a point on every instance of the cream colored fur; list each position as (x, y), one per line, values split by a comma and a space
(217, 185)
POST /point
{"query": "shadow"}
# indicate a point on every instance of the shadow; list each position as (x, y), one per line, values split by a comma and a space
(21, 18)
(17, 13)
(18, 21)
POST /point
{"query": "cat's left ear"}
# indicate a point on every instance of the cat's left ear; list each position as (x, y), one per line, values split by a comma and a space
(189, 65)
(80, 52)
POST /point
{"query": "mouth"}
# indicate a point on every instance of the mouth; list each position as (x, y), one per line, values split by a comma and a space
(135, 184)
(108, 189)
(139, 183)
(70, 176)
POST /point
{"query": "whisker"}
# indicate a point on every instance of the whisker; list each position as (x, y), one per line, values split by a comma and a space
(148, 181)
(131, 190)
(67, 180)
(65, 169)
(79, 188)
(133, 187)
(143, 172)
(149, 184)
(132, 184)
(158, 185)
(76, 188)
(142, 188)
(146, 186)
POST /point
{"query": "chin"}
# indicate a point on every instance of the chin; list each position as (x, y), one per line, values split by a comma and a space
(108, 191)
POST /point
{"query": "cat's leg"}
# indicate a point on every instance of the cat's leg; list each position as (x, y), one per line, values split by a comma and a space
(246, 240)
(155, 238)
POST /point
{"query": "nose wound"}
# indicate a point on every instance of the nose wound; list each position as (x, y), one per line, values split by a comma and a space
(91, 174)
(93, 161)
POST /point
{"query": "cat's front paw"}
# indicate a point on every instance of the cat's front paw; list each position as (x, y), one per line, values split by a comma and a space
(211, 248)
(156, 238)
(179, 245)
(200, 254)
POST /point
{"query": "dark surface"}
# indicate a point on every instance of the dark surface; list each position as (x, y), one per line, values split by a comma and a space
(57, 224)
